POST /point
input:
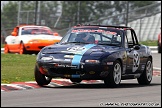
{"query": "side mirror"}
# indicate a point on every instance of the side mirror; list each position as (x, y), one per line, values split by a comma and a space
(55, 34)
(14, 33)
(136, 47)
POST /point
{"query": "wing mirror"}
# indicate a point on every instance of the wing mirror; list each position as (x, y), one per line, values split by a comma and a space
(55, 34)
(135, 47)
(14, 33)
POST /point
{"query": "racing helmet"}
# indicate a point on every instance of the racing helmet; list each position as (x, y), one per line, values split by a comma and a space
(81, 35)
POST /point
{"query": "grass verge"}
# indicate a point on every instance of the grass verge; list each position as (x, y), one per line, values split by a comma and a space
(149, 43)
(17, 68)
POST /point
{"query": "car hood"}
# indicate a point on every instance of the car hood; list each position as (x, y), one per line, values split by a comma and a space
(44, 37)
(79, 49)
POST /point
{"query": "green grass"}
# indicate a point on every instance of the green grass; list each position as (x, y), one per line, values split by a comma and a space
(2, 45)
(17, 68)
(149, 43)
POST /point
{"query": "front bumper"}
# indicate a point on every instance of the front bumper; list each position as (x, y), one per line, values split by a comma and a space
(85, 71)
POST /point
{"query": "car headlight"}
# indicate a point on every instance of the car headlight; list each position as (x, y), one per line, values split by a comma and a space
(47, 58)
(39, 55)
(92, 61)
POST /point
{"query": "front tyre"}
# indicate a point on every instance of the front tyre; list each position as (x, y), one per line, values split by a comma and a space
(22, 49)
(114, 78)
(6, 49)
(146, 77)
(40, 78)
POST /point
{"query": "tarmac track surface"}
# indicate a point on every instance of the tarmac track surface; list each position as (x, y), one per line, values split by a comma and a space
(54, 83)
(86, 94)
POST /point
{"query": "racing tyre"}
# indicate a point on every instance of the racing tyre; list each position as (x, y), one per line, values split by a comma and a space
(159, 48)
(146, 76)
(6, 49)
(40, 78)
(114, 78)
(75, 80)
(22, 49)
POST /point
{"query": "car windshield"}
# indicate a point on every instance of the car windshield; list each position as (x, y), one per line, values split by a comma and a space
(36, 31)
(95, 36)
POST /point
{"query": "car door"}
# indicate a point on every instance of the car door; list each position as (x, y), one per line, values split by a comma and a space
(10, 42)
(13, 41)
(134, 54)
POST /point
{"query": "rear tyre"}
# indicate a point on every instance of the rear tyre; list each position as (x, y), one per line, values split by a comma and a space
(75, 80)
(40, 78)
(114, 78)
(6, 49)
(146, 77)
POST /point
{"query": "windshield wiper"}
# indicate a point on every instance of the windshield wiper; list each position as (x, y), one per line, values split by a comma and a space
(109, 44)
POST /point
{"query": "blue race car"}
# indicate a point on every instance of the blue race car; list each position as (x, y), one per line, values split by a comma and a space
(96, 52)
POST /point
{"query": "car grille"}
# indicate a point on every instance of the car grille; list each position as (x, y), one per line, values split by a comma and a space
(65, 71)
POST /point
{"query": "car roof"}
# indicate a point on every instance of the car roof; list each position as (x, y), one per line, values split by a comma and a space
(30, 26)
(102, 26)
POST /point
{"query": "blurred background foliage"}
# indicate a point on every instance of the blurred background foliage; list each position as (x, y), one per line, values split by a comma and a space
(60, 15)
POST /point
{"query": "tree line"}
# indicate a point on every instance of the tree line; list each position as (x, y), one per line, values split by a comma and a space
(73, 12)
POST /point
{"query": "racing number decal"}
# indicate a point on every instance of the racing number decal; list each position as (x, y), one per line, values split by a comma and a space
(77, 57)
(76, 48)
(136, 60)
(73, 48)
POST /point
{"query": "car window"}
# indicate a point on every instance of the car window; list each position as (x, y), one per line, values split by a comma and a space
(129, 40)
(126, 42)
(72, 37)
(36, 30)
(98, 36)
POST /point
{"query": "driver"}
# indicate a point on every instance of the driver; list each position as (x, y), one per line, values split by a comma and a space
(85, 37)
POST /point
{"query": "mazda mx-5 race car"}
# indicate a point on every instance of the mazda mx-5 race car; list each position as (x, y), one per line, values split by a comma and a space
(96, 52)
(30, 39)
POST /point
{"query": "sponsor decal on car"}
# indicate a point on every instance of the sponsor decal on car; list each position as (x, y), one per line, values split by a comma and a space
(91, 72)
(99, 30)
(77, 58)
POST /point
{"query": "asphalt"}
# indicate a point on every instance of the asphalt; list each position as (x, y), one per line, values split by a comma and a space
(54, 83)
